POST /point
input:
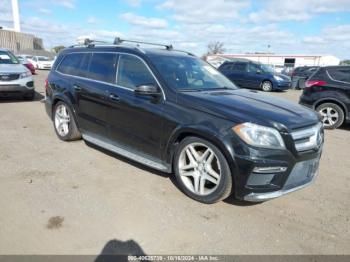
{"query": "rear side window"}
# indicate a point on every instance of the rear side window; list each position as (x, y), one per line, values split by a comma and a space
(240, 67)
(74, 64)
(103, 67)
(340, 74)
(132, 72)
(226, 67)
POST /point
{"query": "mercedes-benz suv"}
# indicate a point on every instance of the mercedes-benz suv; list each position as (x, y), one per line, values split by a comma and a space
(171, 111)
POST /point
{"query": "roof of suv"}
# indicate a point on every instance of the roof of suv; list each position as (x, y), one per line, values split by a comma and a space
(128, 49)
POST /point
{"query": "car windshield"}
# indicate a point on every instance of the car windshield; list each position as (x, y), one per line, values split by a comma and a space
(190, 73)
(8, 58)
(42, 58)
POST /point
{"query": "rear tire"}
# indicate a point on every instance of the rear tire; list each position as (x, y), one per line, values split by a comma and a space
(201, 171)
(64, 123)
(332, 115)
(266, 86)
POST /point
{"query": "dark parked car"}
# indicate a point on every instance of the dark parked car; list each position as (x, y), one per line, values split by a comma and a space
(328, 92)
(248, 74)
(171, 111)
(301, 74)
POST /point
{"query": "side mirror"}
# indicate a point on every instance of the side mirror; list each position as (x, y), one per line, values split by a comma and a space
(148, 90)
(258, 71)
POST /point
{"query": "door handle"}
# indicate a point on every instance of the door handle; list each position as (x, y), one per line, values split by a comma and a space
(114, 97)
(77, 88)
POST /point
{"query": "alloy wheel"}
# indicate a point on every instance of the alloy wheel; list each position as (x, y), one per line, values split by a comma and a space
(266, 86)
(199, 169)
(329, 116)
(62, 120)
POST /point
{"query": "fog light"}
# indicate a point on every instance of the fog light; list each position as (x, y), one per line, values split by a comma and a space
(269, 169)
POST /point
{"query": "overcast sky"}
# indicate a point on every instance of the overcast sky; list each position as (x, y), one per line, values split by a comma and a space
(292, 26)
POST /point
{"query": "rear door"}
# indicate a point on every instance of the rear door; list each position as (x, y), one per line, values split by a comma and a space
(341, 78)
(238, 74)
(92, 93)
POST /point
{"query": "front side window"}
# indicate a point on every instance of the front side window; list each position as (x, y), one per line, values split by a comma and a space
(103, 67)
(132, 72)
(8, 58)
(189, 73)
(254, 68)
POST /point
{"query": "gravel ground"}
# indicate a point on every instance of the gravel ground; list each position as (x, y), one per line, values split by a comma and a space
(70, 198)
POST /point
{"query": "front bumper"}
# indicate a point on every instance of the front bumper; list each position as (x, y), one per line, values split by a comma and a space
(283, 85)
(22, 86)
(262, 174)
(302, 175)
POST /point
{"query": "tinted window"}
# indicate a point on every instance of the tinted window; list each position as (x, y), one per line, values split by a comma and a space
(253, 68)
(132, 72)
(240, 67)
(103, 67)
(340, 74)
(70, 64)
(226, 67)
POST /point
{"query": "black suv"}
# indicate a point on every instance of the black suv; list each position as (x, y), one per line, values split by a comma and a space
(328, 92)
(171, 111)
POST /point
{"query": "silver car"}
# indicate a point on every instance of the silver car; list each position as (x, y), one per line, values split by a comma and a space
(15, 78)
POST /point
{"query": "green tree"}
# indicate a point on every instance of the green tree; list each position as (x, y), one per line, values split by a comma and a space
(58, 48)
(345, 62)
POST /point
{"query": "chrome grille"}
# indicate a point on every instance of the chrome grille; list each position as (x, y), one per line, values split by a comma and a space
(8, 77)
(308, 138)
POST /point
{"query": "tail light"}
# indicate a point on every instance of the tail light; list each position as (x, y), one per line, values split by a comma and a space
(311, 83)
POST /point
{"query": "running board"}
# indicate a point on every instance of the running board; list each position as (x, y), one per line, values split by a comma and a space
(123, 152)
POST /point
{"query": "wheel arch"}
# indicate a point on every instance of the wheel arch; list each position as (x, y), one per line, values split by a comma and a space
(267, 80)
(334, 101)
(68, 101)
(182, 133)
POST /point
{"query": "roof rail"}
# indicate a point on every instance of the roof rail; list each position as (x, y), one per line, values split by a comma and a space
(118, 41)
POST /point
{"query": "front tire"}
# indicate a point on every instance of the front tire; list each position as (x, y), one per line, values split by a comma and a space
(64, 123)
(266, 86)
(332, 115)
(202, 171)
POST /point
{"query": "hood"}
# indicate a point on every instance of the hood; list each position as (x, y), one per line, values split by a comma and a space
(284, 77)
(12, 68)
(243, 105)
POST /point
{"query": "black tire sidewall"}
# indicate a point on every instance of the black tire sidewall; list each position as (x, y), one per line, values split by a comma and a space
(225, 181)
(336, 108)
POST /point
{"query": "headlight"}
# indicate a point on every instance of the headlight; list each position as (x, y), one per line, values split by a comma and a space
(25, 74)
(278, 78)
(259, 136)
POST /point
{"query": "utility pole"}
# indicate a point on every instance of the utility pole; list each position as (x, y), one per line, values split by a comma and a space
(15, 13)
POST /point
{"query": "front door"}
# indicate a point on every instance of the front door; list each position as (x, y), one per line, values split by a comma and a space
(135, 120)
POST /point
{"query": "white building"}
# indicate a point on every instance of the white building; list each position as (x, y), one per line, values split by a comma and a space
(278, 60)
